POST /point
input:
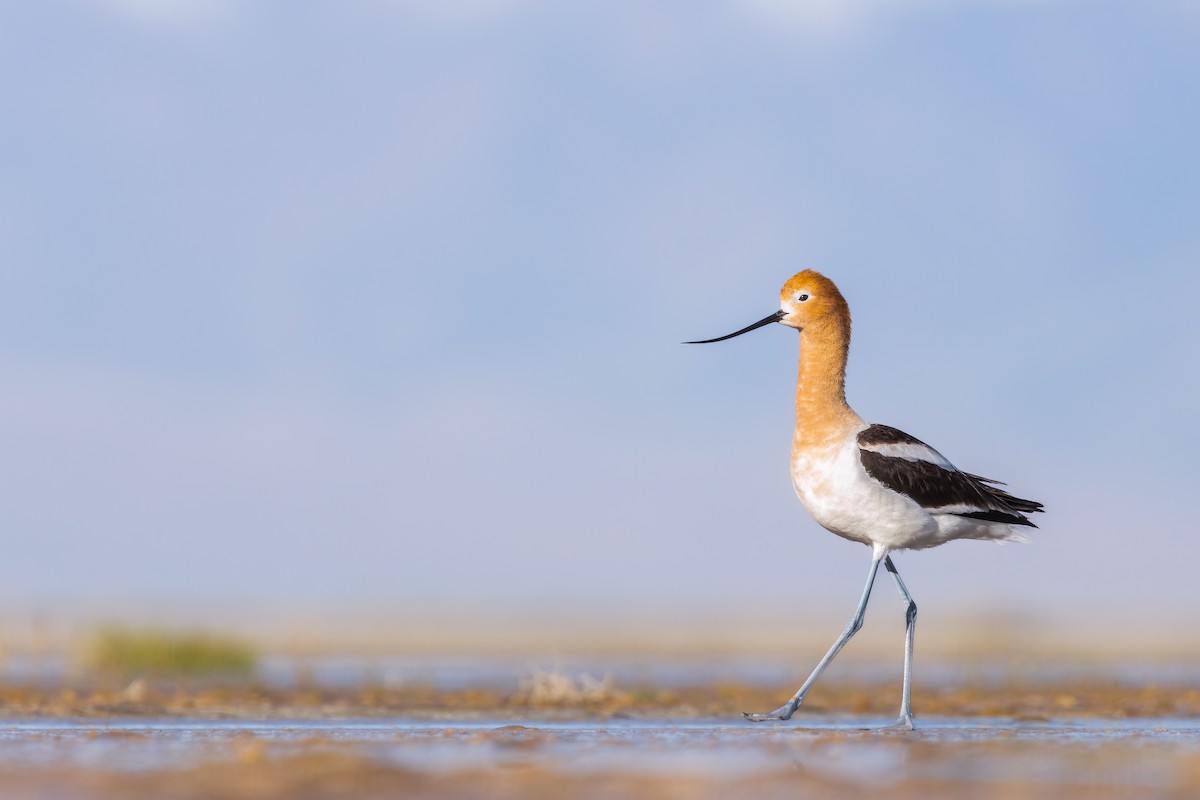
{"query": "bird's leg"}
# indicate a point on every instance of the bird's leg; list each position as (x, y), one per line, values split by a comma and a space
(910, 617)
(786, 710)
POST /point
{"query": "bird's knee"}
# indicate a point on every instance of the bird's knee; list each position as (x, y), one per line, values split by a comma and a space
(910, 615)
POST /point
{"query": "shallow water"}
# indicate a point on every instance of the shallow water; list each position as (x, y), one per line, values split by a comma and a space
(843, 756)
(860, 746)
(316, 728)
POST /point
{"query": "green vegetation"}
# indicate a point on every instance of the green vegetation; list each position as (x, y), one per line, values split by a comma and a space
(125, 652)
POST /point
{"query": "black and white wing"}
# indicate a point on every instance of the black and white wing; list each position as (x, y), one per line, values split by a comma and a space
(907, 465)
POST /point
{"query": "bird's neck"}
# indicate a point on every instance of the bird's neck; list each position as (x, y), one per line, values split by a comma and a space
(823, 417)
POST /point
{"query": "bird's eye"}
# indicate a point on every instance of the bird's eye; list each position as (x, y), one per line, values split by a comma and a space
(801, 298)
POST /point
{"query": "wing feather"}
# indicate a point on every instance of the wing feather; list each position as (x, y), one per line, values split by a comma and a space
(907, 465)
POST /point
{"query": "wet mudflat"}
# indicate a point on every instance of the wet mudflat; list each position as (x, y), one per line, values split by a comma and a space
(563, 734)
(836, 756)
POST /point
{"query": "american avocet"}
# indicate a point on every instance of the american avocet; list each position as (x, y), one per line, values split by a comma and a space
(871, 483)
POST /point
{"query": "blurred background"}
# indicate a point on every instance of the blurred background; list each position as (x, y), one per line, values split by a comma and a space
(357, 324)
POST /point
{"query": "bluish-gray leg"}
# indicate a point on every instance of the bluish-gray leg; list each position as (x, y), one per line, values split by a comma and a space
(786, 710)
(910, 618)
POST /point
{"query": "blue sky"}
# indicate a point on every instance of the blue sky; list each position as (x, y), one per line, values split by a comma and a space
(377, 304)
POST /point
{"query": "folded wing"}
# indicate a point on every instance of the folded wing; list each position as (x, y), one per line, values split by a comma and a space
(907, 465)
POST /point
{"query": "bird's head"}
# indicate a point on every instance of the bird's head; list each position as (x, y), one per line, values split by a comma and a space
(807, 299)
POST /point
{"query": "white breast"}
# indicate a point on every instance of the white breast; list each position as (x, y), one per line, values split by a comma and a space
(845, 500)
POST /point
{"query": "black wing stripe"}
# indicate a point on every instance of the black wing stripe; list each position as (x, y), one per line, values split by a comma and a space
(885, 434)
(998, 516)
(933, 486)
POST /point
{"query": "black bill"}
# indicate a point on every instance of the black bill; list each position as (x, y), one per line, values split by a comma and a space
(778, 315)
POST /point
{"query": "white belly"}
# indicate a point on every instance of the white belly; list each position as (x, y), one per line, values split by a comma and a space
(843, 499)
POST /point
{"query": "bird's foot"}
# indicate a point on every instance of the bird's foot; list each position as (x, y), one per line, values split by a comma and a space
(785, 711)
(905, 723)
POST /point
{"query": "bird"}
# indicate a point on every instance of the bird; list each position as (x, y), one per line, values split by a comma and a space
(870, 483)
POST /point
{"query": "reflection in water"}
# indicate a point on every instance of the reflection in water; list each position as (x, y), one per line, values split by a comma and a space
(846, 746)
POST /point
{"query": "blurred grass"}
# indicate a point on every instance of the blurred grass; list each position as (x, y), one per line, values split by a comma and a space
(127, 653)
